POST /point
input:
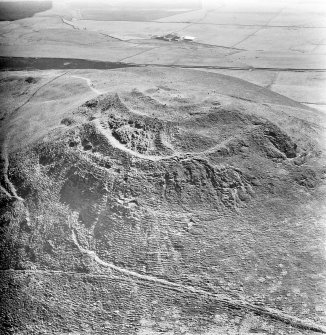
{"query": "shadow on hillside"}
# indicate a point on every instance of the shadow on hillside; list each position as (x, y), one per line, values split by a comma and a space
(10, 11)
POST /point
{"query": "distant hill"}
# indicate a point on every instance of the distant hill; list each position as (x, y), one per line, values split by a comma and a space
(10, 11)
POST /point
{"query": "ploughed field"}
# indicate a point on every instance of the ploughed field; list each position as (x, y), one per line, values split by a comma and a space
(159, 201)
(273, 44)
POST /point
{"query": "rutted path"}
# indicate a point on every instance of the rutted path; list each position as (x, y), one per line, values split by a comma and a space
(8, 184)
(224, 299)
(113, 141)
(177, 155)
(90, 84)
(116, 144)
(8, 188)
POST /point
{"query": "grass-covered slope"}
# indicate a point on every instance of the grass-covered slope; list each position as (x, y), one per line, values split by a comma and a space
(159, 201)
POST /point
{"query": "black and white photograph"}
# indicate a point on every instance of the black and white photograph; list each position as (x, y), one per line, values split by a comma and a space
(162, 167)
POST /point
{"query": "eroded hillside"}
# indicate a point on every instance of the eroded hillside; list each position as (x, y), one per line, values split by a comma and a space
(150, 201)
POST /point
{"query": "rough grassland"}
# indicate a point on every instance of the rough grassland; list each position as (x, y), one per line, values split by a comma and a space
(147, 201)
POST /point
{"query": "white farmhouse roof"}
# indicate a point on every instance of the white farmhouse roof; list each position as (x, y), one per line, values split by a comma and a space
(189, 37)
